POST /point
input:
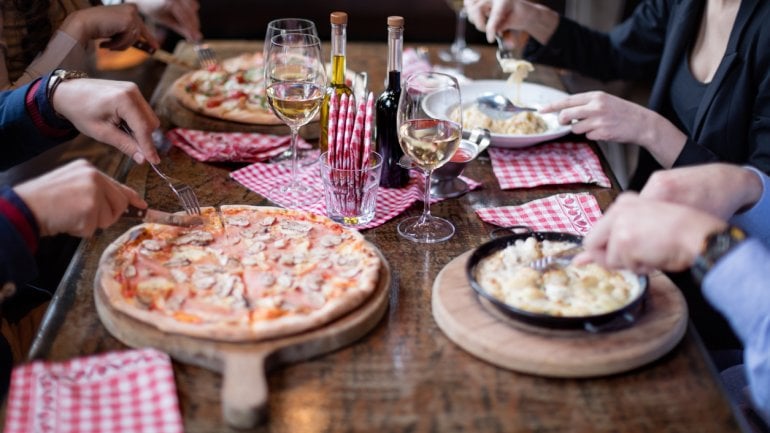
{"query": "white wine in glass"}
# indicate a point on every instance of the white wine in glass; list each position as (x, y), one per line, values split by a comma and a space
(430, 143)
(430, 138)
(283, 26)
(295, 79)
(459, 51)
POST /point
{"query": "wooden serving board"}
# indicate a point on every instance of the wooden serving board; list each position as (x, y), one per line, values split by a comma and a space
(486, 333)
(244, 365)
(177, 115)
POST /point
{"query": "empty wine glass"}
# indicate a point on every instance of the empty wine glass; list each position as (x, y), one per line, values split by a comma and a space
(295, 80)
(459, 52)
(282, 26)
(429, 133)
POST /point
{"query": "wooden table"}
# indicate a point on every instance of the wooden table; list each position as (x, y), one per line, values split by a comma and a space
(405, 375)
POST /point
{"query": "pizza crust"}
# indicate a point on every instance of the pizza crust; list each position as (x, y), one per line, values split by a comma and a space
(116, 256)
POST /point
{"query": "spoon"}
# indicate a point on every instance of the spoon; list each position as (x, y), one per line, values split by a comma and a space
(499, 107)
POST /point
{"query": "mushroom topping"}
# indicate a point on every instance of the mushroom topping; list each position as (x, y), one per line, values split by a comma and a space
(237, 221)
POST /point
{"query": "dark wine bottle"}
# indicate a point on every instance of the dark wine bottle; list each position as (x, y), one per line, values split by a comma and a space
(386, 131)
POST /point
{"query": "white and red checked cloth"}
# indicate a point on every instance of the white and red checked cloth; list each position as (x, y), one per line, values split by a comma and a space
(126, 392)
(547, 164)
(265, 179)
(569, 213)
(210, 146)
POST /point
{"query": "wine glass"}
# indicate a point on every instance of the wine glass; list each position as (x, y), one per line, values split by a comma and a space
(429, 131)
(459, 52)
(283, 26)
(295, 80)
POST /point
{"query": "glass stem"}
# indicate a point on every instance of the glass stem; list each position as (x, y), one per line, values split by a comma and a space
(426, 199)
(459, 44)
(294, 157)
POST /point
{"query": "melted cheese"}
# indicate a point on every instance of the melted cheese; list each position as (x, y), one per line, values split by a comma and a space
(570, 291)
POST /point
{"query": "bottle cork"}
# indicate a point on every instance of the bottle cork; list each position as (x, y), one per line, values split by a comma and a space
(395, 21)
(338, 18)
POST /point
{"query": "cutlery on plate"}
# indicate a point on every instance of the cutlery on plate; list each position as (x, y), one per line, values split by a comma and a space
(498, 106)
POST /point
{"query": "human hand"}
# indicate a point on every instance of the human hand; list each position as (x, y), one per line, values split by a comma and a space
(601, 116)
(76, 199)
(494, 17)
(110, 103)
(719, 189)
(120, 24)
(642, 234)
(178, 15)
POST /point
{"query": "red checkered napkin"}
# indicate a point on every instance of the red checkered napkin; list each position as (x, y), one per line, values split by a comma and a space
(547, 164)
(231, 146)
(569, 213)
(265, 179)
(130, 391)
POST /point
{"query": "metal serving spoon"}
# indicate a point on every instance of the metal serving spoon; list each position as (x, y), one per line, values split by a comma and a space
(499, 107)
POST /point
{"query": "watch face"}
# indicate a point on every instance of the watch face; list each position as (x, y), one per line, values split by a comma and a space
(717, 246)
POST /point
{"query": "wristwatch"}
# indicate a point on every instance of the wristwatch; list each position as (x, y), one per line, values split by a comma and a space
(716, 246)
(57, 77)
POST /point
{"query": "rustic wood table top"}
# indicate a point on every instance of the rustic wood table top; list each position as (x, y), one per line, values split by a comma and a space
(405, 375)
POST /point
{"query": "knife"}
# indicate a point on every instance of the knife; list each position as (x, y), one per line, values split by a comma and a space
(163, 55)
(159, 217)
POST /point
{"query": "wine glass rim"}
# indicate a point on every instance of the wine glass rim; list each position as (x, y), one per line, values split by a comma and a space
(423, 74)
(307, 24)
(310, 40)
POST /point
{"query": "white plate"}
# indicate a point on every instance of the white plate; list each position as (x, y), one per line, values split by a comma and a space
(532, 95)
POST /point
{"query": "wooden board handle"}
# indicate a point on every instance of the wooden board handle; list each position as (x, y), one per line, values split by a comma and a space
(244, 392)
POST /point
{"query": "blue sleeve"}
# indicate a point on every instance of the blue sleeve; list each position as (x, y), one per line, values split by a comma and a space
(738, 286)
(755, 219)
(20, 137)
(17, 263)
(632, 50)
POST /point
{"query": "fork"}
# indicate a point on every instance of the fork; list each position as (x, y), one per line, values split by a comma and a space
(503, 51)
(560, 259)
(205, 54)
(183, 191)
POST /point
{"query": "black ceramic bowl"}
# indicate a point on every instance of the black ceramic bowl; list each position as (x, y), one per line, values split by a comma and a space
(620, 318)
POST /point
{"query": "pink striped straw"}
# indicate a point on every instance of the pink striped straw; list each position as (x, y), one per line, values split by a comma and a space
(340, 140)
(368, 129)
(349, 132)
(355, 142)
(332, 130)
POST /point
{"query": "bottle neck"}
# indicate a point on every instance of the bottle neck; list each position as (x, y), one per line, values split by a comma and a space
(339, 37)
(395, 51)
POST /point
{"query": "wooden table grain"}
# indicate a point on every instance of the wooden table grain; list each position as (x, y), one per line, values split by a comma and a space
(404, 376)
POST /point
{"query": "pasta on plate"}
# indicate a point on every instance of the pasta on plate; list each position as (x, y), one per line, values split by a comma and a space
(523, 123)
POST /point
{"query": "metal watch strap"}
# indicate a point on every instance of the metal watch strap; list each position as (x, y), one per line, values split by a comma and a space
(57, 77)
(716, 246)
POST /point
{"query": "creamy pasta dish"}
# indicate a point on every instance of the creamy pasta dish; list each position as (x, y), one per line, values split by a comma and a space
(523, 123)
(571, 291)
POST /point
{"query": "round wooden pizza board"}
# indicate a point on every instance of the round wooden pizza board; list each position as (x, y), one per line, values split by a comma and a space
(486, 333)
(243, 365)
(177, 115)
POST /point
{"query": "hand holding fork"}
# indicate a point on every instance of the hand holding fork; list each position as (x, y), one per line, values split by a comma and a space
(182, 190)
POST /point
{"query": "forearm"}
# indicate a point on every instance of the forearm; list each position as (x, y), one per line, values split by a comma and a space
(737, 287)
(62, 49)
(753, 219)
(18, 239)
(662, 139)
(28, 125)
